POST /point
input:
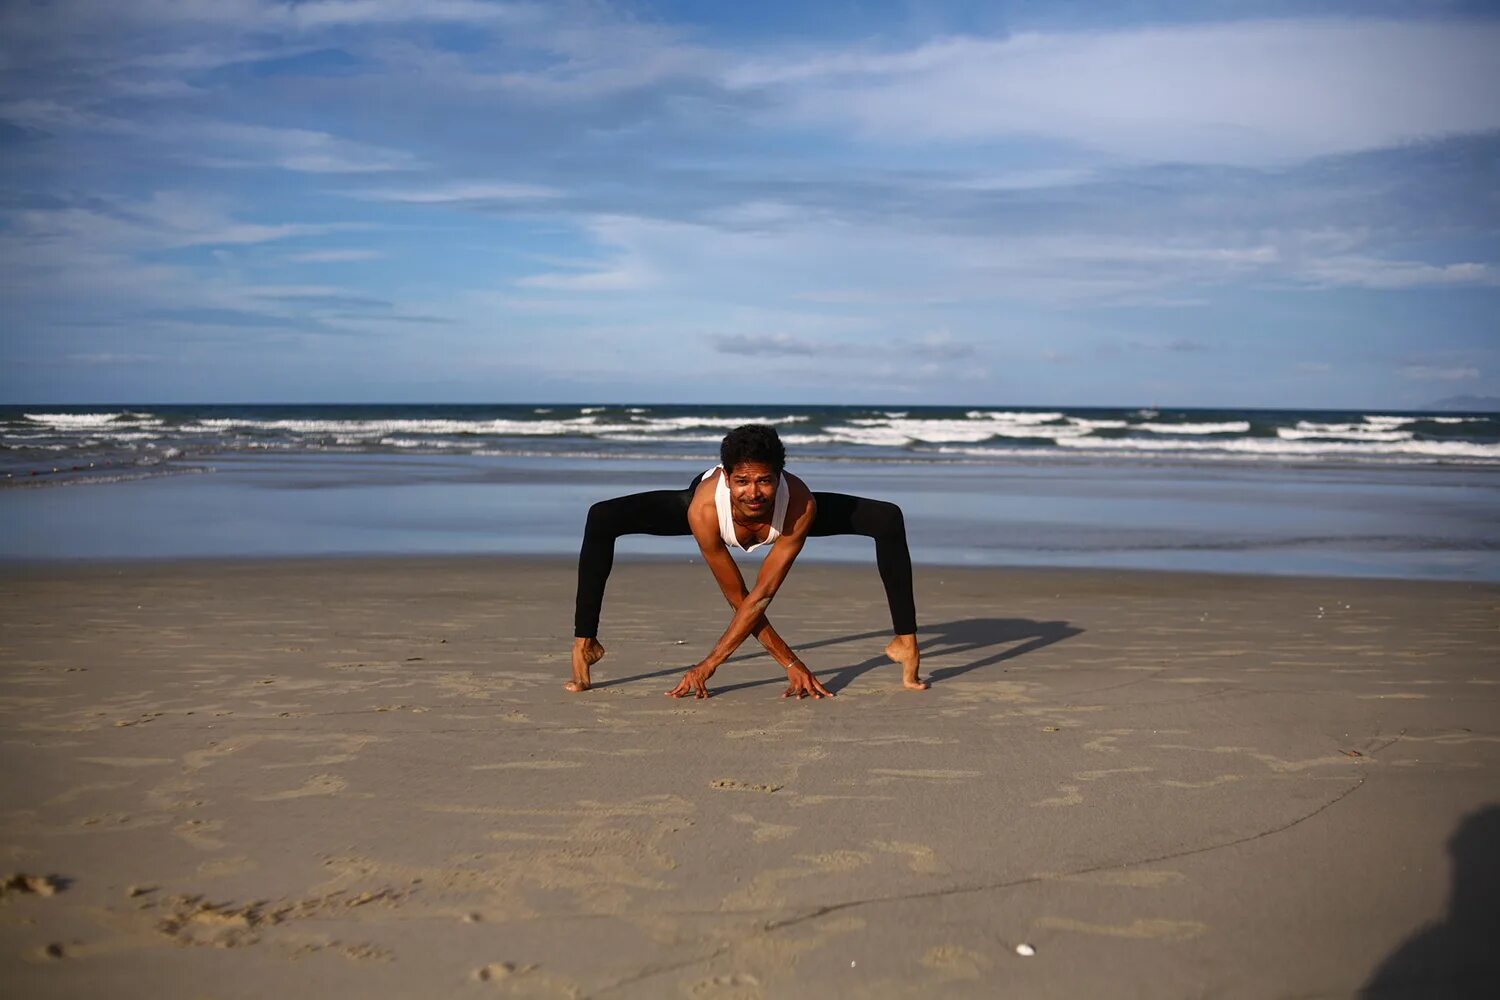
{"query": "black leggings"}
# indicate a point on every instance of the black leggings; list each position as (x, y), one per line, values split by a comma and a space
(664, 512)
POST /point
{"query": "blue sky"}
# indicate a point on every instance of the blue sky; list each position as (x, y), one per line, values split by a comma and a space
(1174, 203)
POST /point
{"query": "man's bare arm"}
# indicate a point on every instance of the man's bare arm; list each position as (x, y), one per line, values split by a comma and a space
(772, 574)
(726, 573)
(750, 606)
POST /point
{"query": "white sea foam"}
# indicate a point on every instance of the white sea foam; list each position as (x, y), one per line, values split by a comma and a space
(75, 420)
(1276, 447)
(1313, 425)
(1226, 427)
(900, 433)
(1098, 425)
(1353, 432)
(575, 425)
(627, 436)
(382, 428)
(980, 425)
(802, 440)
(879, 437)
(671, 423)
(397, 442)
(890, 435)
(1014, 417)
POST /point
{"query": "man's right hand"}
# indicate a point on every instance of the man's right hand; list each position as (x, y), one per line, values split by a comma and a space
(801, 683)
(693, 683)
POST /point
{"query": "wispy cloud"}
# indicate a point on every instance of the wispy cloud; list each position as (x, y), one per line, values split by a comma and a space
(776, 345)
(1238, 92)
(105, 262)
(110, 358)
(599, 179)
(472, 193)
(927, 352)
(339, 13)
(303, 150)
(165, 220)
(1434, 373)
(1371, 272)
(334, 256)
(940, 345)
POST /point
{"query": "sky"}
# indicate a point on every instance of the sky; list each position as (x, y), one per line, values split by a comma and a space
(1152, 202)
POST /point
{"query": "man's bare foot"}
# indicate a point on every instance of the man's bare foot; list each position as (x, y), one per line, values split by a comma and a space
(586, 653)
(903, 649)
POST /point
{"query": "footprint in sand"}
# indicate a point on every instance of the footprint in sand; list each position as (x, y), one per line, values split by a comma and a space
(730, 785)
(1069, 797)
(733, 986)
(236, 865)
(200, 833)
(1223, 779)
(318, 784)
(496, 971)
(920, 858)
(951, 962)
(764, 832)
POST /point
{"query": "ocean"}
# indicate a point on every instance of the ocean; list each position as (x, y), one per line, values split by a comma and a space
(1342, 493)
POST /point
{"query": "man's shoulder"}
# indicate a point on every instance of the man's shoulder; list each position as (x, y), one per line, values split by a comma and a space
(801, 505)
(703, 501)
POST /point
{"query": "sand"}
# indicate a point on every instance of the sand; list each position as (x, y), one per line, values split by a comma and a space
(363, 778)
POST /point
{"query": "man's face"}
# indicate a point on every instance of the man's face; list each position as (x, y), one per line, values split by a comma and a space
(752, 490)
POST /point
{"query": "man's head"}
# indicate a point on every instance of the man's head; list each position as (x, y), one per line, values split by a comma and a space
(753, 458)
(758, 443)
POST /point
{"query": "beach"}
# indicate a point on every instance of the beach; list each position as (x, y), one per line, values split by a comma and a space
(239, 778)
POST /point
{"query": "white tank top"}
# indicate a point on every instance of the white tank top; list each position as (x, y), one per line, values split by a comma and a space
(726, 515)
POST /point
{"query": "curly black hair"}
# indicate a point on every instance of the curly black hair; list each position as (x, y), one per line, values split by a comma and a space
(753, 443)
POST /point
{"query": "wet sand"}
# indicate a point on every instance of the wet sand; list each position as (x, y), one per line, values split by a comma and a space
(363, 776)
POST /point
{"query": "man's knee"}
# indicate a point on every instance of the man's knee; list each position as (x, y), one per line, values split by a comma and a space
(888, 519)
(602, 518)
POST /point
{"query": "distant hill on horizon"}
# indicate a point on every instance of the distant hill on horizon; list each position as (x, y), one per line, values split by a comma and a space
(1483, 404)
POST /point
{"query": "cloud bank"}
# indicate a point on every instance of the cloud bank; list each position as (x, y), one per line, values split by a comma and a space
(465, 180)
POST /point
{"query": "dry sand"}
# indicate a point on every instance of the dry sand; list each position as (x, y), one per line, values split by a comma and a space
(364, 778)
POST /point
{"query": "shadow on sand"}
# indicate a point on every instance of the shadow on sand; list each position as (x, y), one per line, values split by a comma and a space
(990, 640)
(1459, 957)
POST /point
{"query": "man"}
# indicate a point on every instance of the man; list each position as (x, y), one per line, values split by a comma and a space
(745, 502)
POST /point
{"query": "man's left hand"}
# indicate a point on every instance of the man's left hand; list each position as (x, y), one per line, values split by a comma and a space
(800, 683)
